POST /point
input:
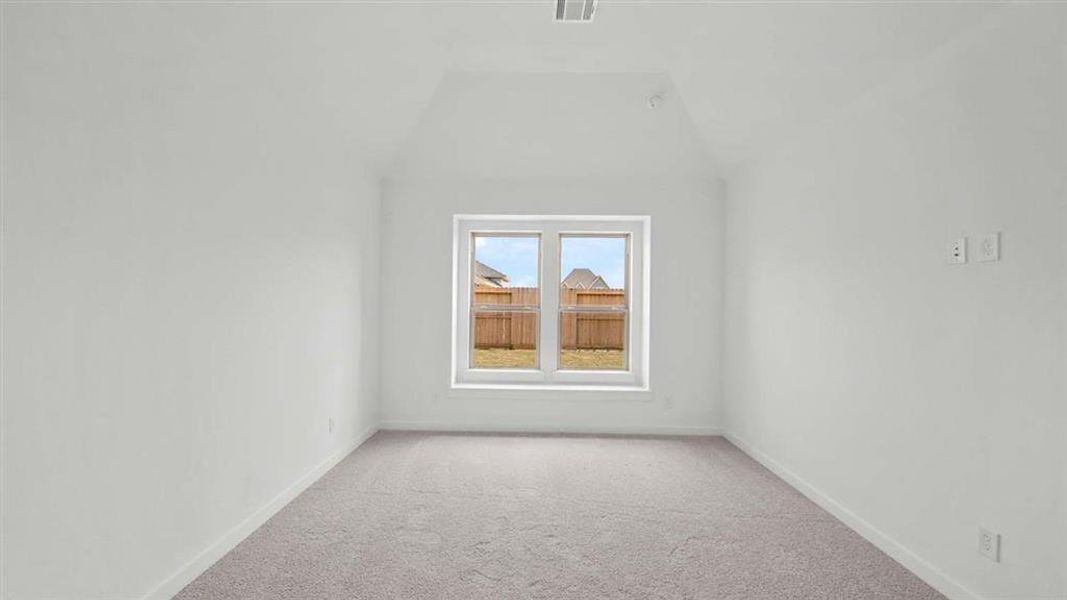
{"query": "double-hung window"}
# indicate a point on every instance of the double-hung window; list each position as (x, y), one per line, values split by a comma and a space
(551, 301)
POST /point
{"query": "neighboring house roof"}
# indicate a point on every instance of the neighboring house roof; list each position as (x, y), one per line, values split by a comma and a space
(584, 279)
(488, 276)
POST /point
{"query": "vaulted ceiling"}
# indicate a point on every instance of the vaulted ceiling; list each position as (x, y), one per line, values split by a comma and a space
(739, 75)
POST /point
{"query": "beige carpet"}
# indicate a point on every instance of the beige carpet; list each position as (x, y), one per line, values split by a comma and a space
(467, 517)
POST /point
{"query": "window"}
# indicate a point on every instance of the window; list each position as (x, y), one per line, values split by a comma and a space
(550, 301)
(505, 306)
(592, 301)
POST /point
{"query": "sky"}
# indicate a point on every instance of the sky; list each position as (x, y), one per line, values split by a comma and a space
(517, 257)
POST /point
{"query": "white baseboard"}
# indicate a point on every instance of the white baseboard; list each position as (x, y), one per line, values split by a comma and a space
(547, 428)
(185, 575)
(911, 561)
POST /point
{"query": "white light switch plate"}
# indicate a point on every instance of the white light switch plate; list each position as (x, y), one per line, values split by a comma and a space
(989, 247)
(989, 544)
(957, 251)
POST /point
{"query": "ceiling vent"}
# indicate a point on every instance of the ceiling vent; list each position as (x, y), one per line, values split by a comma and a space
(575, 11)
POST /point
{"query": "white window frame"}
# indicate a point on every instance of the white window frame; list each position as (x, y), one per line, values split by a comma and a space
(550, 228)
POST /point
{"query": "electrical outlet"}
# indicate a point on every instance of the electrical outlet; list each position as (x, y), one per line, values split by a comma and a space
(989, 247)
(331, 425)
(989, 544)
(957, 251)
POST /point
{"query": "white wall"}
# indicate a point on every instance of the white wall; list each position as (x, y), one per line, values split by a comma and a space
(928, 399)
(553, 126)
(190, 281)
(686, 307)
(552, 143)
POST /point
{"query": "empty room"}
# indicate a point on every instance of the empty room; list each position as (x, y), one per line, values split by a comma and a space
(533, 299)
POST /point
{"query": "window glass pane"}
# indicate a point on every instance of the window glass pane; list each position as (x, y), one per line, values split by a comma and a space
(592, 340)
(593, 277)
(591, 264)
(504, 339)
(506, 270)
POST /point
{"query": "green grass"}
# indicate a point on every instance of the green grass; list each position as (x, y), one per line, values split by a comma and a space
(593, 359)
(503, 358)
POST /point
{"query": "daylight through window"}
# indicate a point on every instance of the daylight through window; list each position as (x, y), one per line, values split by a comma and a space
(592, 301)
(587, 328)
(505, 301)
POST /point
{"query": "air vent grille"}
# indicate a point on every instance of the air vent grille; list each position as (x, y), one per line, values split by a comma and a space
(575, 11)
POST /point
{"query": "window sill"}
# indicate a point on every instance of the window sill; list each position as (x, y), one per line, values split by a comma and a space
(473, 391)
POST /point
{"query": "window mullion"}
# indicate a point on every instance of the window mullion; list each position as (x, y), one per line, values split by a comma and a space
(549, 350)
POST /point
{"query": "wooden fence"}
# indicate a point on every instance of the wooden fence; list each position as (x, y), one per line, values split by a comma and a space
(578, 330)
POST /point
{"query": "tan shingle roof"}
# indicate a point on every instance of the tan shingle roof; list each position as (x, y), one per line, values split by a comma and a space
(582, 278)
(486, 275)
(483, 270)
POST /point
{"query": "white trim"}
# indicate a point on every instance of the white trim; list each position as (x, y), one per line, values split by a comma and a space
(911, 561)
(504, 387)
(545, 428)
(550, 228)
(200, 563)
(542, 393)
(499, 217)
